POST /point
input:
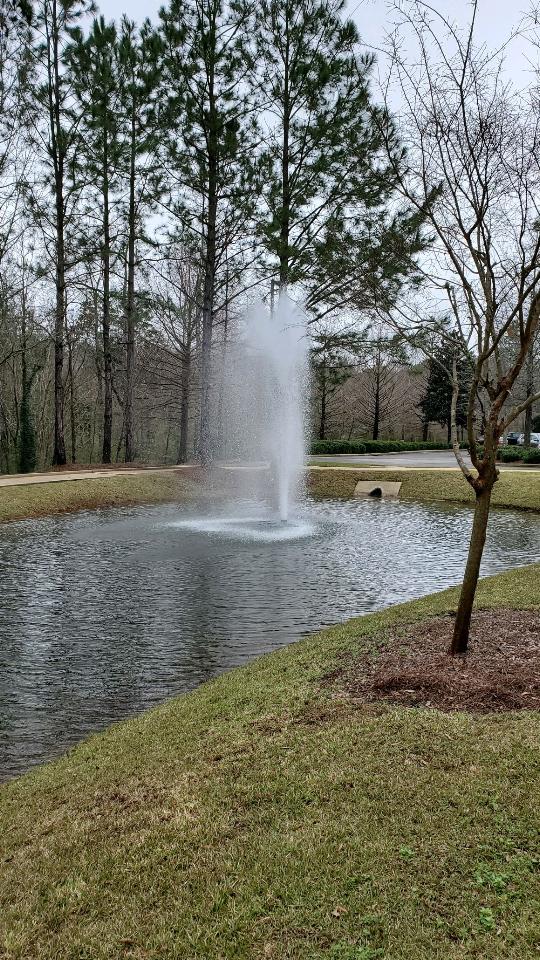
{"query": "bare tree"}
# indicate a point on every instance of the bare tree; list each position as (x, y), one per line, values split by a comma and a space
(176, 300)
(14, 53)
(473, 166)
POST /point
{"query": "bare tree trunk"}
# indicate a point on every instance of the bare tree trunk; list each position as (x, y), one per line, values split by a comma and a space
(529, 393)
(462, 623)
(322, 419)
(377, 409)
(483, 486)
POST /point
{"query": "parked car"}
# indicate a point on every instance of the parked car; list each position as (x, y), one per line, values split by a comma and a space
(480, 440)
(513, 438)
(535, 440)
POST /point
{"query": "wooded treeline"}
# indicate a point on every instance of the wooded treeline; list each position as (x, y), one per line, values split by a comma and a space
(154, 180)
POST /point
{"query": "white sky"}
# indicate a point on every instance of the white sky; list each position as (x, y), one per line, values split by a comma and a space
(495, 21)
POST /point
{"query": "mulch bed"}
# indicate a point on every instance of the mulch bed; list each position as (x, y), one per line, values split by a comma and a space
(500, 672)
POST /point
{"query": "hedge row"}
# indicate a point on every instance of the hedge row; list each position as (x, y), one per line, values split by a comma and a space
(329, 447)
(519, 455)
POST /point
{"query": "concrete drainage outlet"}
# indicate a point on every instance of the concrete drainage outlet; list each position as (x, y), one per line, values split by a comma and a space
(377, 488)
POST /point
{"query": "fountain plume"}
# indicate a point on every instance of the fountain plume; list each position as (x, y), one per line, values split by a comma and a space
(267, 400)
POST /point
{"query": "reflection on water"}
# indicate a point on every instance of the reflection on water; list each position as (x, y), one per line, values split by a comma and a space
(106, 613)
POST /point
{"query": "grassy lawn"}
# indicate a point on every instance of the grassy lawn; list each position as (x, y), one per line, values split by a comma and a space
(260, 817)
(41, 499)
(515, 488)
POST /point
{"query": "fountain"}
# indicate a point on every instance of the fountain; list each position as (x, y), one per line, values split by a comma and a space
(262, 406)
(276, 345)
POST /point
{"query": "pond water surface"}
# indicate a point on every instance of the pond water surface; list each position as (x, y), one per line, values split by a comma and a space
(106, 613)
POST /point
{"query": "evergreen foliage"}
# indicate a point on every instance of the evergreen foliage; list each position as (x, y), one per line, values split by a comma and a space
(437, 400)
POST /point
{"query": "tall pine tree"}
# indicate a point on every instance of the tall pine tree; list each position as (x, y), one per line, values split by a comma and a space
(93, 63)
(54, 130)
(211, 150)
(327, 223)
(140, 60)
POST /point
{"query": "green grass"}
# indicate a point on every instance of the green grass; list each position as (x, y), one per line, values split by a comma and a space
(41, 499)
(515, 488)
(260, 818)
(519, 488)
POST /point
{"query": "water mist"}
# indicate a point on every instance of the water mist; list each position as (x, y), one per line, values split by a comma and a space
(262, 405)
(276, 347)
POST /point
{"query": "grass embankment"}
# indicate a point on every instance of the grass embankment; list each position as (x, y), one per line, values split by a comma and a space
(262, 817)
(42, 499)
(515, 488)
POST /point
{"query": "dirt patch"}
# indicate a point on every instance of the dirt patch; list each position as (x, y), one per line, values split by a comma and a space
(500, 672)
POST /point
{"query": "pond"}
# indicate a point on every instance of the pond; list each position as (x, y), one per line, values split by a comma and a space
(106, 613)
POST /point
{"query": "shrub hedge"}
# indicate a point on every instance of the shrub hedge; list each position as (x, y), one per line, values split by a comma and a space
(332, 447)
(335, 447)
(511, 454)
(519, 455)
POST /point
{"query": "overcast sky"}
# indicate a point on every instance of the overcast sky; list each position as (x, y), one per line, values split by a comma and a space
(496, 19)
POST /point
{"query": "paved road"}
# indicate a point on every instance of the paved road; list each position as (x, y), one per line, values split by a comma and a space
(441, 459)
(59, 476)
(422, 459)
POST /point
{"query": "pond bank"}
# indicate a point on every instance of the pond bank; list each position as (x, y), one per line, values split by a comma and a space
(519, 488)
(261, 816)
(516, 488)
(38, 499)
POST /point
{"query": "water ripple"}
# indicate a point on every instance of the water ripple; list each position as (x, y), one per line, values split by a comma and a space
(103, 614)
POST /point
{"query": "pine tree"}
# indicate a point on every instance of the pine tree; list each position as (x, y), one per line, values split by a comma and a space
(54, 131)
(140, 58)
(208, 60)
(94, 72)
(436, 404)
(328, 194)
(334, 356)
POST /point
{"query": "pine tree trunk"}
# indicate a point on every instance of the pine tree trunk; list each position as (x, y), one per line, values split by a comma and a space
(205, 452)
(130, 306)
(73, 425)
(206, 346)
(285, 161)
(57, 150)
(224, 360)
(184, 410)
(462, 623)
(27, 440)
(106, 317)
(59, 452)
